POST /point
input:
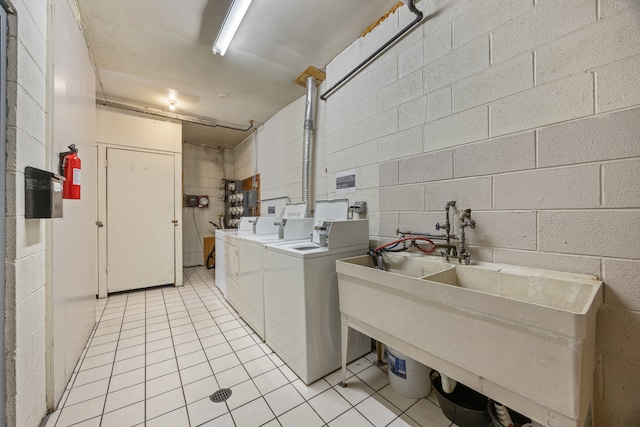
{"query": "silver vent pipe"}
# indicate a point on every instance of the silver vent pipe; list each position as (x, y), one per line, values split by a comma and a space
(309, 112)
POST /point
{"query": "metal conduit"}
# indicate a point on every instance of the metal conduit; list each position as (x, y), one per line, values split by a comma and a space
(275, 198)
(364, 63)
(160, 113)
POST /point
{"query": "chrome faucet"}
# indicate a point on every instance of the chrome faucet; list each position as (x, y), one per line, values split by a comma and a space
(465, 221)
(254, 223)
(450, 250)
(281, 225)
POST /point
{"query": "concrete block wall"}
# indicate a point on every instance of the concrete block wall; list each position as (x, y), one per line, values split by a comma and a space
(243, 160)
(36, 277)
(203, 171)
(279, 150)
(25, 274)
(526, 112)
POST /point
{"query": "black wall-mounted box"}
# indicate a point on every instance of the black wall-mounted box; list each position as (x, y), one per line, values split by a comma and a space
(190, 201)
(42, 194)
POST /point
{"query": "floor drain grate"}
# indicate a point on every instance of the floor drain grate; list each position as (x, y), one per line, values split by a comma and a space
(221, 395)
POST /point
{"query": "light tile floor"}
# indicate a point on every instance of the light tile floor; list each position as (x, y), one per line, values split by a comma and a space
(155, 357)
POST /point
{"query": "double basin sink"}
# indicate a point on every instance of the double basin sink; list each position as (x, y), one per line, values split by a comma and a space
(524, 337)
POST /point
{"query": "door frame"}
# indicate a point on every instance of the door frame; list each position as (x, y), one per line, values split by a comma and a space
(102, 290)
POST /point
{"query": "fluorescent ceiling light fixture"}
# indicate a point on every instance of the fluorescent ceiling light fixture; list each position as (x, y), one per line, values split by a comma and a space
(230, 25)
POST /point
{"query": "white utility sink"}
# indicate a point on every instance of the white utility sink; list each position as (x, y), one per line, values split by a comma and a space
(524, 337)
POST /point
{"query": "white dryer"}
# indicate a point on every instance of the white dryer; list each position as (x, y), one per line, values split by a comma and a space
(291, 226)
(302, 311)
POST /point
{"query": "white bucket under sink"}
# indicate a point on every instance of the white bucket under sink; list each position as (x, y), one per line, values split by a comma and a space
(408, 377)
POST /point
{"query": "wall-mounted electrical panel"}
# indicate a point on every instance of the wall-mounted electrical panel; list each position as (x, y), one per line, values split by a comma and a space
(233, 199)
(190, 201)
(238, 202)
(193, 201)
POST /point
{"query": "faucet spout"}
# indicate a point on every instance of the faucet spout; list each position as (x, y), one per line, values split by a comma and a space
(465, 221)
(447, 226)
(449, 249)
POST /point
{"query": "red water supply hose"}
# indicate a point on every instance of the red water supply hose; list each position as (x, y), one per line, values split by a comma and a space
(404, 239)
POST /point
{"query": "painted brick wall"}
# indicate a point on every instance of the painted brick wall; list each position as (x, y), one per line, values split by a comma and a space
(29, 144)
(528, 112)
(203, 172)
(25, 280)
(279, 151)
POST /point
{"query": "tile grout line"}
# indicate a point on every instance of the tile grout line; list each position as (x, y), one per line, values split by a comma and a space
(76, 371)
(144, 412)
(248, 374)
(202, 295)
(263, 373)
(163, 300)
(305, 400)
(173, 347)
(227, 341)
(104, 405)
(199, 339)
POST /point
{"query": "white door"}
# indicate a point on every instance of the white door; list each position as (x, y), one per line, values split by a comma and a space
(140, 219)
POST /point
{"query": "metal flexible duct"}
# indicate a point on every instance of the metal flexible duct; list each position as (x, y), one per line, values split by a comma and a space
(307, 139)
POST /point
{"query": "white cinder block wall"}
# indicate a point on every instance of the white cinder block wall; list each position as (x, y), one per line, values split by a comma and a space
(527, 112)
(31, 143)
(279, 149)
(202, 175)
(244, 159)
(25, 274)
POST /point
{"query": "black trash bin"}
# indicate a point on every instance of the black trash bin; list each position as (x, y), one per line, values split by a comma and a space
(464, 406)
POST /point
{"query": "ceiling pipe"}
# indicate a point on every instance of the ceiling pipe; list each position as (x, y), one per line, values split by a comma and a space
(366, 62)
(204, 145)
(309, 112)
(160, 113)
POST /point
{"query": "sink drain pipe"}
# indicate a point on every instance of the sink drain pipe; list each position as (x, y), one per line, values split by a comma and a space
(412, 8)
(309, 113)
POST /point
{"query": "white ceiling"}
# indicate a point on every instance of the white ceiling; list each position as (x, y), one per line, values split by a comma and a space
(149, 51)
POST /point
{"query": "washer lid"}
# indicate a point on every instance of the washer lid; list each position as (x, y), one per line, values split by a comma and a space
(294, 210)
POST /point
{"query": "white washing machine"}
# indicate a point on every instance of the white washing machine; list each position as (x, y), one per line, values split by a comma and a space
(291, 226)
(227, 259)
(220, 278)
(302, 311)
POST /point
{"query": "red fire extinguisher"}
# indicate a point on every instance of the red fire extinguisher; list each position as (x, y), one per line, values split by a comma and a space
(71, 170)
